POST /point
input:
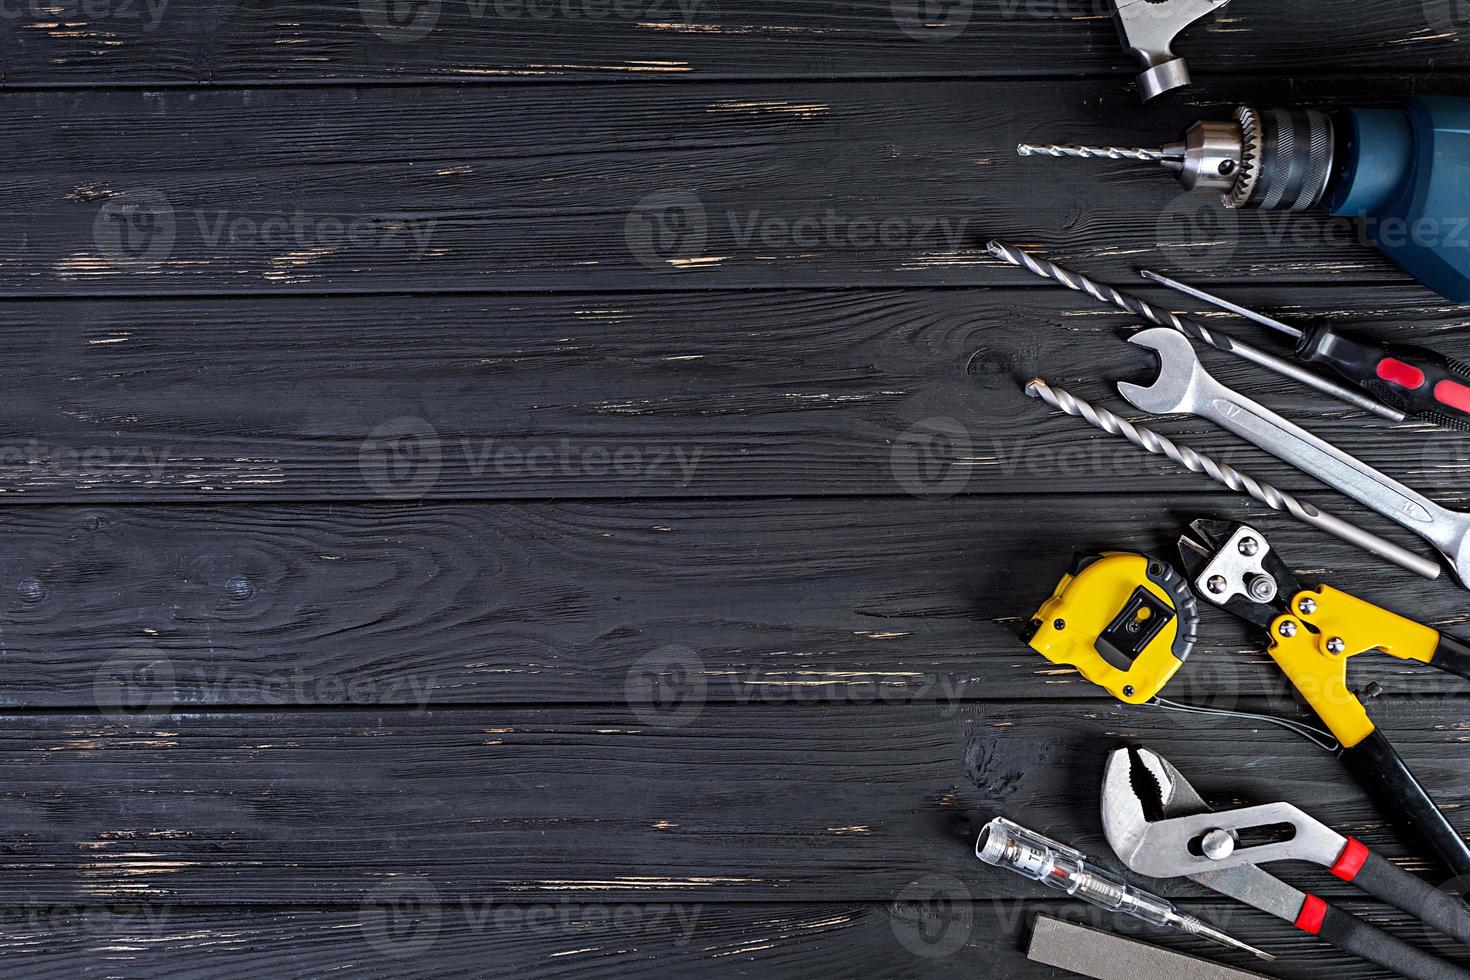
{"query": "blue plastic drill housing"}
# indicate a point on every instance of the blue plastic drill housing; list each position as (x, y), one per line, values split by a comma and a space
(1405, 173)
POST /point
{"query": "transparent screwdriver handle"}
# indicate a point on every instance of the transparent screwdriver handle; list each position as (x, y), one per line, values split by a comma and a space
(1009, 845)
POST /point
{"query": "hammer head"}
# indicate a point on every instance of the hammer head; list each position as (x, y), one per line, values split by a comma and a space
(1180, 371)
(1148, 29)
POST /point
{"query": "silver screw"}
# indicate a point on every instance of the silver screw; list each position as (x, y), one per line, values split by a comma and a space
(1336, 645)
(1217, 845)
(1307, 606)
(1287, 629)
(1249, 546)
(1216, 584)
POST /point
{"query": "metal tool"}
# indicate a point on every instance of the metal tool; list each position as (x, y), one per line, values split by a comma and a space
(1148, 29)
(1144, 797)
(1311, 633)
(1008, 845)
(1191, 329)
(1108, 956)
(1185, 387)
(1401, 169)
(1147, 439)
(1419, 382)
(1126, 621)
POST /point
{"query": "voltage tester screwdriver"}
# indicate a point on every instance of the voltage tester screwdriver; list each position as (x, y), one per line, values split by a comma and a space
(1421, 383)
(1404, 170)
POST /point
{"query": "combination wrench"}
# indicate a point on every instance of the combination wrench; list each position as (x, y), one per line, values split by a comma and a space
(1184, 387)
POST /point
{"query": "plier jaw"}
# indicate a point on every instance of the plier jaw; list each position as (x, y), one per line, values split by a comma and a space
(1233, 566)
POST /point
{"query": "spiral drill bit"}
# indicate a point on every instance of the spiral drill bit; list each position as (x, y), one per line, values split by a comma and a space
(1221, 473)
(1092, 152)
(1194, 331)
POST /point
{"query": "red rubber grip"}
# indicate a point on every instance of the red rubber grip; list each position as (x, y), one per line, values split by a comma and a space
(1397, 372)
(1453, 394)
(1309, 919)
(1351, 860)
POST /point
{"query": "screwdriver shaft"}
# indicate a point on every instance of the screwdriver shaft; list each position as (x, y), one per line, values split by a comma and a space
(1091, 152)
(1151, 441)
(1194, 331)
(1222, 303)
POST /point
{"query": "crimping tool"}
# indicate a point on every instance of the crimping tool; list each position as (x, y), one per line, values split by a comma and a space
(1311, 634)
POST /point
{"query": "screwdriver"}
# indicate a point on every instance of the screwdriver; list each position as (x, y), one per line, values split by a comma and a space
(1419, 382)
(1009, 845)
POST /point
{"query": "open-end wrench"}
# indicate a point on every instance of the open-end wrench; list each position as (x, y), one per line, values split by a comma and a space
(1184, 387)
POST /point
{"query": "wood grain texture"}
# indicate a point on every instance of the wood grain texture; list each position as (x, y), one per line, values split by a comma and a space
(492, 41)
(630, 186)
(902, 938)
(720, 394)
(803, 602)
(727, 803)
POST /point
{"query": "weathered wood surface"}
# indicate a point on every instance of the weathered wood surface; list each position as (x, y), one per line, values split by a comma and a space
(67, 42)
(744, 185)
(305, 666)
(703, 803)
(900, 938)
(702, 395)
(571, 603)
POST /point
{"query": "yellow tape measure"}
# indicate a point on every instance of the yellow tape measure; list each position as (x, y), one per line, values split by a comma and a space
(1126, 621)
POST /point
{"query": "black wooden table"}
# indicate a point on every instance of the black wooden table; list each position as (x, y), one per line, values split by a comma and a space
(536, 487)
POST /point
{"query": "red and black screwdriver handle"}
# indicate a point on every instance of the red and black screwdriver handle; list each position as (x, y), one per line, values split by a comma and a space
(1419, 382)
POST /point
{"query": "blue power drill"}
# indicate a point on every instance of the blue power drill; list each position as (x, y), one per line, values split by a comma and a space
(1403, 171)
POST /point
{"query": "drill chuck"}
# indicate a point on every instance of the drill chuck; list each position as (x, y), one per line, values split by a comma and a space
(1267, 159)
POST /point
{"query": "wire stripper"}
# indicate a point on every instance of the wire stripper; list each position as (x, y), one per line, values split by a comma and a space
(1311, 635)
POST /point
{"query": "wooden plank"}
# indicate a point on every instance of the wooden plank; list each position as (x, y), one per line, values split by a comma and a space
(657, 940)
(663, 395)
(730, 803)
(630, 186)
(221, 41)
(808, 602)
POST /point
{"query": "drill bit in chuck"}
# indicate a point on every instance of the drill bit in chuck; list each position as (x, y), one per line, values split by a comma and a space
(1092, 152)
(1221, 473)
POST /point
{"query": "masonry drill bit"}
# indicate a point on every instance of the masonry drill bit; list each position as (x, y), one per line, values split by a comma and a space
(1194, 331)
(1151, 441)
(1093, 152)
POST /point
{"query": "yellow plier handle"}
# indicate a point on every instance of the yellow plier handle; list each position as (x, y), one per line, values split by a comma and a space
(1323, 628)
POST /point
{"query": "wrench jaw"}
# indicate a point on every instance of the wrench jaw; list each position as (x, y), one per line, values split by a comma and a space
(1176, 389)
